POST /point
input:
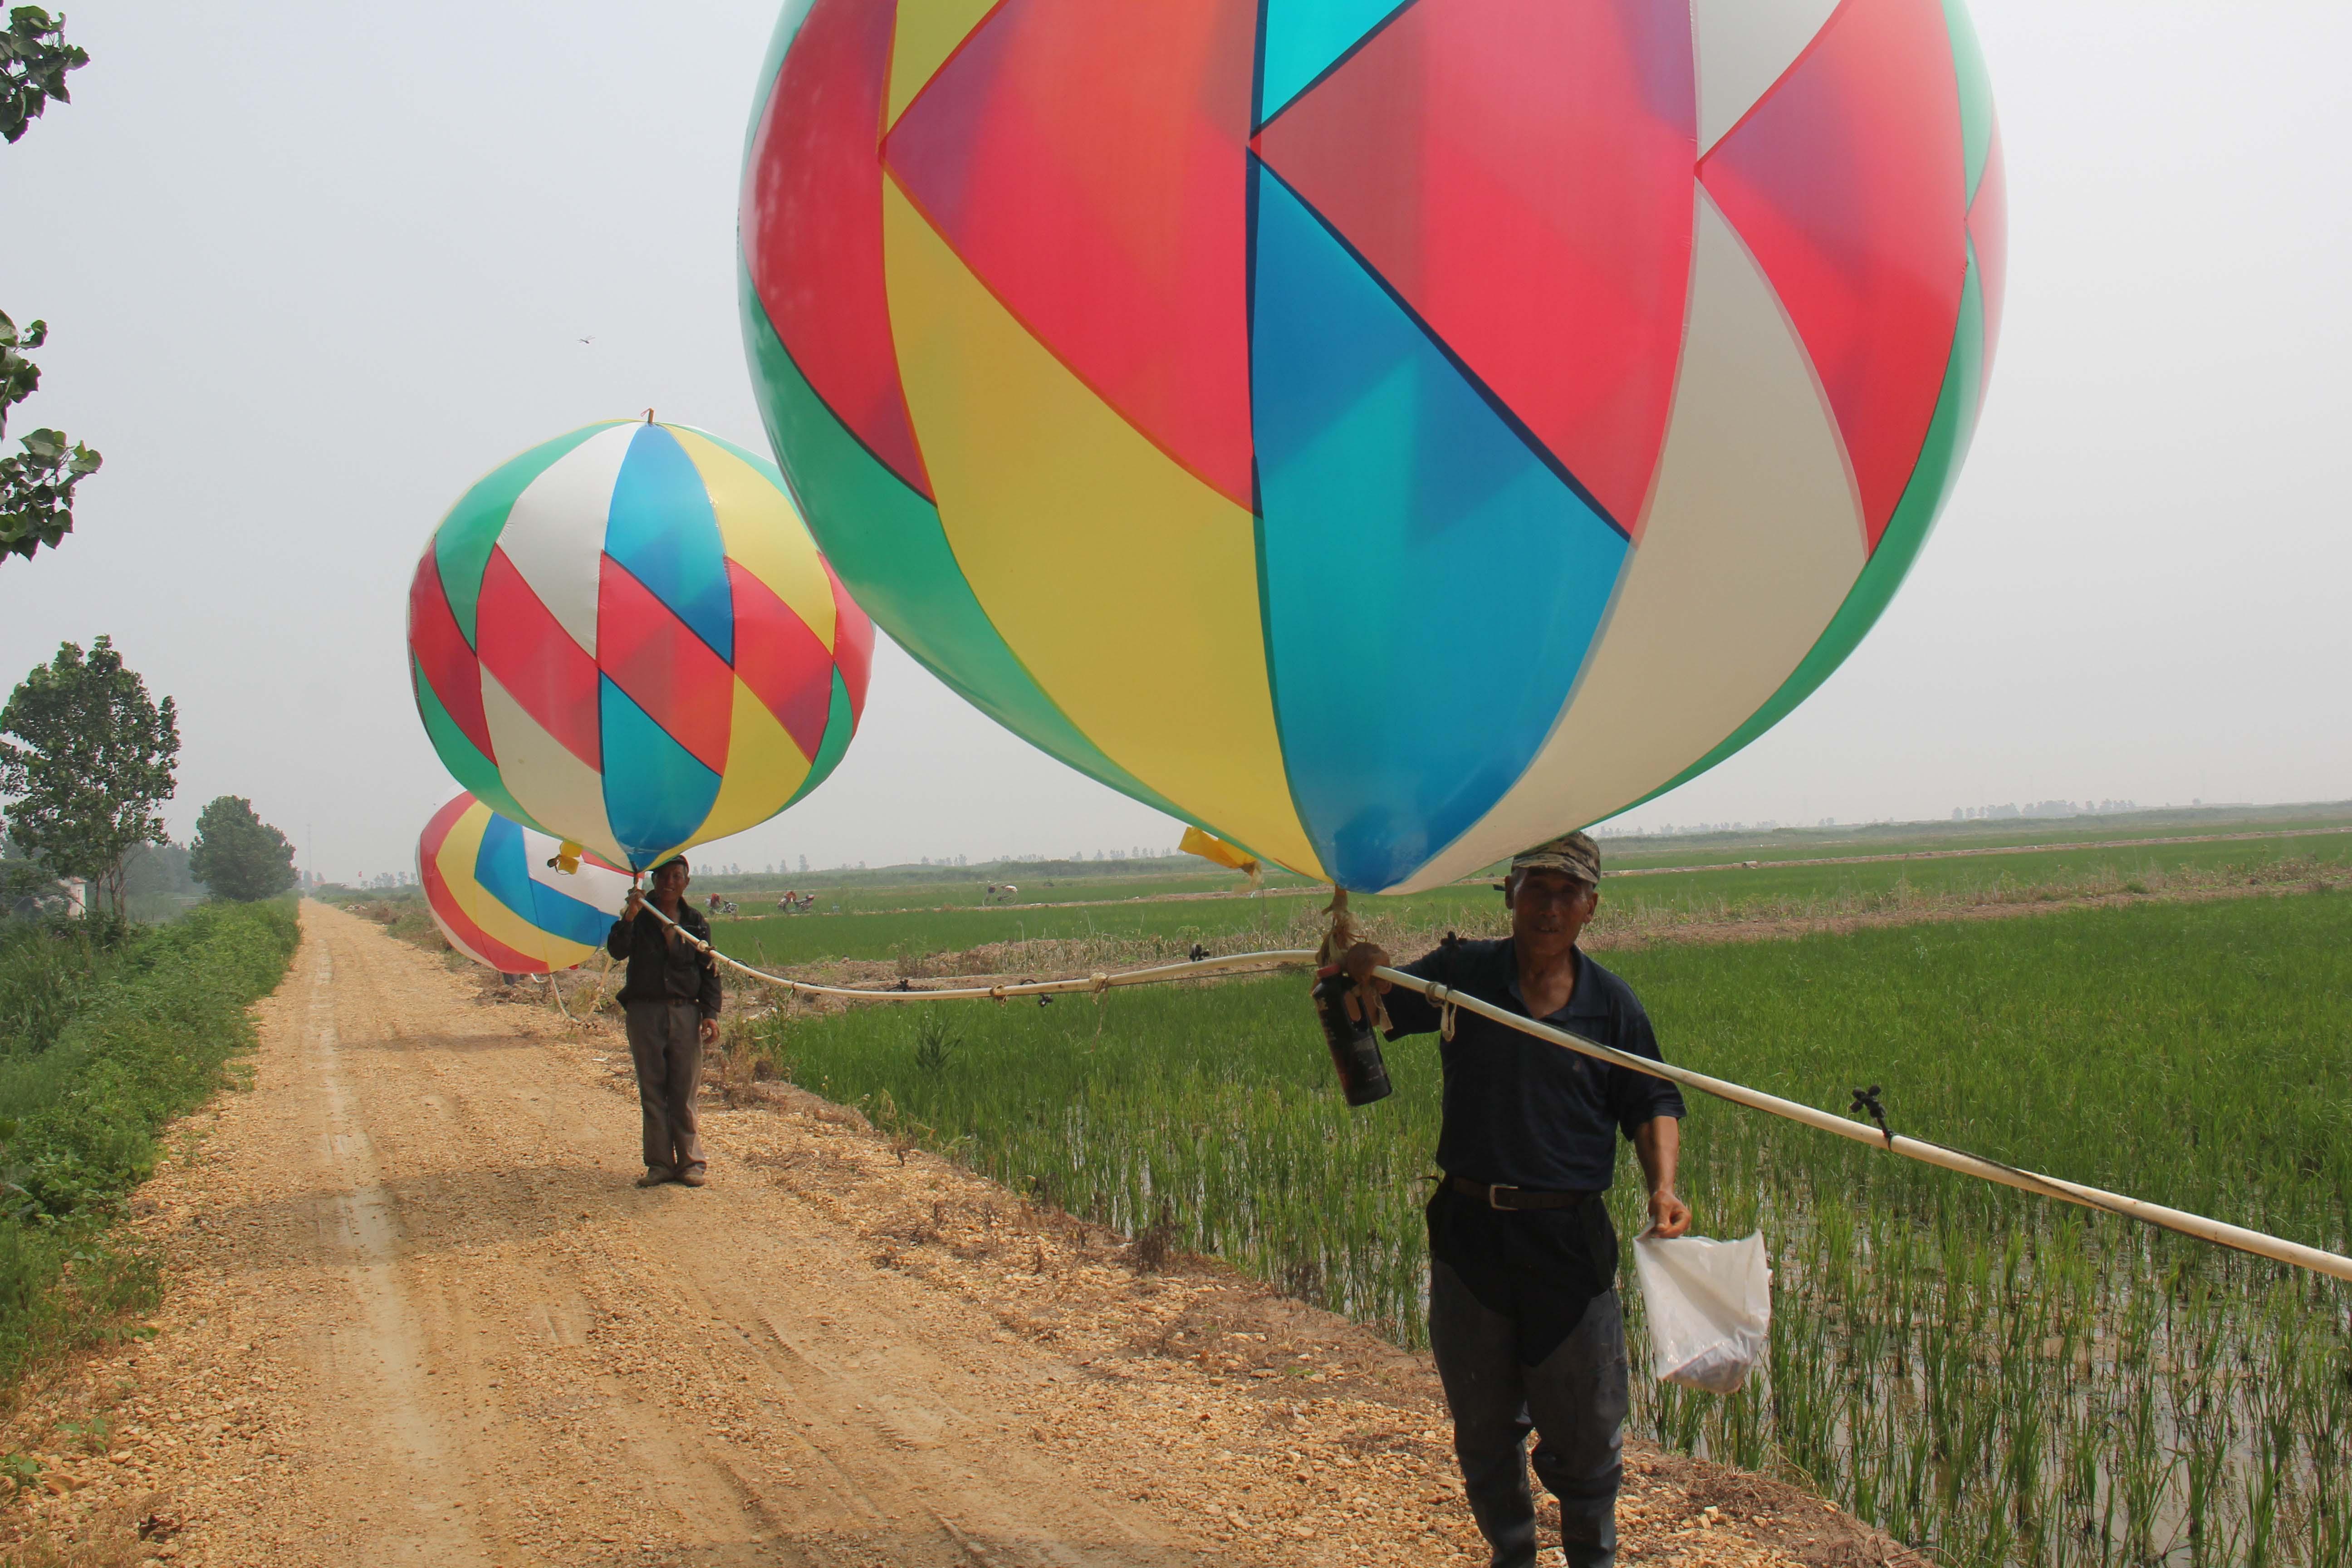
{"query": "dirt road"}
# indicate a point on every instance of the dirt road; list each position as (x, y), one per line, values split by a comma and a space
(418, 1315)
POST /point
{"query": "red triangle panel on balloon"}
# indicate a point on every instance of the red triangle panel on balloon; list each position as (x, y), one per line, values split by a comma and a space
(1847, 181)
(526, 649)
(785, 663)
(812, 224)
(444, 657)
(1087, 161)
(660, 663)
(1519, 171)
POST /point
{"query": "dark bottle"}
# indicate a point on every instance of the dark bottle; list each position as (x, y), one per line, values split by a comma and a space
(1355, 1047)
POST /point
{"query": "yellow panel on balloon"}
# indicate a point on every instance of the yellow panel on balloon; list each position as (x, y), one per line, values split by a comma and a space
(927, 33)
(460, 851)
(1125, 585)
(761, 530)
(461, 847)
(763, 768)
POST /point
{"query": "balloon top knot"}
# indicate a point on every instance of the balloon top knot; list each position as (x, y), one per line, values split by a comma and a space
(1343, 934)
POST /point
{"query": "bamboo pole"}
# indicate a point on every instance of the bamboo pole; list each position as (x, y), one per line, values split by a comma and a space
(2214, 1230)
(2261, 1245)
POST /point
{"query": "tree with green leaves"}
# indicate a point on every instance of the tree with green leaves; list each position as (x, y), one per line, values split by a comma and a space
(86, 758)
(36, 485)
(237, 856)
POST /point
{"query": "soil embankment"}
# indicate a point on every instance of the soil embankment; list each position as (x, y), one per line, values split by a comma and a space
(418, 1315)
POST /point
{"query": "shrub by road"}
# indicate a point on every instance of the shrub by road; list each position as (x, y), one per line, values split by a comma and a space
(107, 1032)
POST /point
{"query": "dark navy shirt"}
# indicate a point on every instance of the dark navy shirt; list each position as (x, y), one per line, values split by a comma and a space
(1523, 1113)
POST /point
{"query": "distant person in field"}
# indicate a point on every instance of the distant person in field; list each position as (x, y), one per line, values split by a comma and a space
(1523, 1316)
(671, 999)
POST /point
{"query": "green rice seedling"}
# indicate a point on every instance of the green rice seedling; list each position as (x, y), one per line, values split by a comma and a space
(935, 1046)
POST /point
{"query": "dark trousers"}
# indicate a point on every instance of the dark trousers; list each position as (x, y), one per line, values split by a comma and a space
(1574, 1402)
(665, 1045)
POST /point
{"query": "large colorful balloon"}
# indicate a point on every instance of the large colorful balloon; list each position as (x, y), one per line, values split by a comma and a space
(625, 637)
(1382, 435)
(496, 898)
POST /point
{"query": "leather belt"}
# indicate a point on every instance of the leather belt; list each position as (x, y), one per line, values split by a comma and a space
(1508, 1197)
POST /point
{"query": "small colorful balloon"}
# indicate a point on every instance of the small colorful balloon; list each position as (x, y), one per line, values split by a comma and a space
(493, 890)
(625, 637)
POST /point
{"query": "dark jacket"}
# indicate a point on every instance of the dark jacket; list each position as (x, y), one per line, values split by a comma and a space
(1522, 1112)
(662, 965)
(1519, 1110)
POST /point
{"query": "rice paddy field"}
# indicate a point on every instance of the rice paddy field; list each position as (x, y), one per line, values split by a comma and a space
(1142, 925)
(1806, 842)
(1996, 1378)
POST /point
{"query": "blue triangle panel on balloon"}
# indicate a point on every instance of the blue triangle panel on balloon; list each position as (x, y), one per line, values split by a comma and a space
(661, 527)
(502, 866)
(1302, 37)
(1430, 584)
(559, 914)
(498, 867)
(656, 793)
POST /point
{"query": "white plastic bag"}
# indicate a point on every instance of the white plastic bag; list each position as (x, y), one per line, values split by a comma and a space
(1710, 1308)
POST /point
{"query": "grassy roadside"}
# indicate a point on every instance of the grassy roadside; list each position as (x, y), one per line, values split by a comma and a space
(107, 1032)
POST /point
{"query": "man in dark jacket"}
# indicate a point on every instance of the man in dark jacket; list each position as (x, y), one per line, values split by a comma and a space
(671, 998)
(1523, 1317)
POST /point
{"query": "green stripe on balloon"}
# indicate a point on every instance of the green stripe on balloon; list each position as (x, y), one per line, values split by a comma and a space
(461, 545)
(1976, 90)
(1907, 532)
(475, 772)
(886, 542)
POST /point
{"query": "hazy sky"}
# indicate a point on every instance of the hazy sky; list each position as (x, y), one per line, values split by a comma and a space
(311, 268)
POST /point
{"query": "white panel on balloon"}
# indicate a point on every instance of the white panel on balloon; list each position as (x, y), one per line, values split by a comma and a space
(1743, 47)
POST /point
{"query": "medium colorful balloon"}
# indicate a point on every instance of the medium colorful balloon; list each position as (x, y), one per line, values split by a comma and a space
(495, 897)
(625, 637)
(1382, 435)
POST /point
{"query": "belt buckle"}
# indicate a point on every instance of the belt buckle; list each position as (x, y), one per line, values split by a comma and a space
(1493, 1193)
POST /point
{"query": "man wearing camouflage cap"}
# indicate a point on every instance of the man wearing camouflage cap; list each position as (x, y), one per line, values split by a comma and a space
(1523, 1314)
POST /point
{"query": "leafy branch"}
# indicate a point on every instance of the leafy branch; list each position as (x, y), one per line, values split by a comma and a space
(34, 59)
(36, 485)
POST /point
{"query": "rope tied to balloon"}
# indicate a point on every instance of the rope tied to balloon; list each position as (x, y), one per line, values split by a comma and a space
(1340, 936)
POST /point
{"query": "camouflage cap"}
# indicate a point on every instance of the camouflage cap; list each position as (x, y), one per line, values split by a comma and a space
(1574, 853)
